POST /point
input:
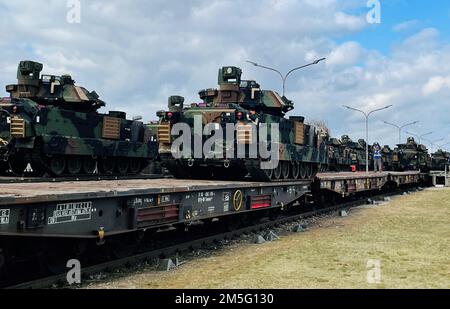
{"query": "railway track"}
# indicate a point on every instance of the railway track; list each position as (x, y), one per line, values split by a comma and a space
(60, 280)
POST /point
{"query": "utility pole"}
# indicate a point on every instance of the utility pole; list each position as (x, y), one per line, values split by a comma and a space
(400, 128)
(284, 77)
(367, 115)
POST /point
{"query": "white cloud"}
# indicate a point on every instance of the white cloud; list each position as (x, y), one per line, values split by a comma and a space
(347, 53)
(348, 21)
(406, 25)
(436, 84)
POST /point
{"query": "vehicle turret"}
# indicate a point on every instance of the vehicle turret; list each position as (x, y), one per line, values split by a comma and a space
(51, 89)
(246, 93)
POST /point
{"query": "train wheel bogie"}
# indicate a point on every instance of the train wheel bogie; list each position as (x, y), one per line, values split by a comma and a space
(123, 246)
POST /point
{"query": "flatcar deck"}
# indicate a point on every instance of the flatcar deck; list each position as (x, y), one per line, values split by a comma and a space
(347, 183)
(20, 193)
(108, 207)
(360, 175)
(24, 193)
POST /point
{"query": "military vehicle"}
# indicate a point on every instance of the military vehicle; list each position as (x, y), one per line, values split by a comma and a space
(339, 155)
(386, 158)
(53, 124)
(357, 152)
(250, 112)
(440, 159)
(155, 165)
(411, 156)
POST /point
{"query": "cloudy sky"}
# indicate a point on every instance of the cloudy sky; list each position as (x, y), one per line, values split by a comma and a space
(137, 53)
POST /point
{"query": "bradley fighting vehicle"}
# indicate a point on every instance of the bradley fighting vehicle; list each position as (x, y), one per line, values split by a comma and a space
(386, 158)
(411, 157)
(440, 159)
(339, 155)
(52, 124)
(357, 152)
(250, 111)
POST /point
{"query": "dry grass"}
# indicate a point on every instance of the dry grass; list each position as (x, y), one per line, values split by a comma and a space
(410, 236)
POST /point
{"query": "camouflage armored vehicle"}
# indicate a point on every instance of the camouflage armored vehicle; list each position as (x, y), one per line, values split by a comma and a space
(386, 158)
(411, 157)
(339, 155)
(357, 152)
(52, 124)
(440, 159)
(243, 114)
(155, 165)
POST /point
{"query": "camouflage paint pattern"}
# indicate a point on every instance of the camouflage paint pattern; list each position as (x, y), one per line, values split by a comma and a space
(242, 102)
(440, 159)
(411, 156)
(38, 122)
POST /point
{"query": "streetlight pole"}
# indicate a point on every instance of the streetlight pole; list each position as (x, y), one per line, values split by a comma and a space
(400, 128)
(442, 146)
(432, 143)
(367, 115)
(284, 77)
(419, 137)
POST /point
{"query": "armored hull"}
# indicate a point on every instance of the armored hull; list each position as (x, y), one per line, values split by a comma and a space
(440, 160)
(58, 141)
(239, 130)
(411, 157)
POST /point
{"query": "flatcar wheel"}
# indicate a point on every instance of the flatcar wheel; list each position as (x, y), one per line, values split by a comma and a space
(277, 172)
(123, 246)
(57, 165)
(295, 170)
(135, 166)
(107, 166)
(74, 165)
(303, 170)
(17, 166)
(89, 166)
(285, 169)
(122, 166)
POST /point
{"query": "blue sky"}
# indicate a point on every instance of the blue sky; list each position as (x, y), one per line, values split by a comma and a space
(412, 14)
(136, 53)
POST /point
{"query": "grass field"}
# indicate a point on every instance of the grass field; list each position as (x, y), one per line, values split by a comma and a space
(409, 236)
